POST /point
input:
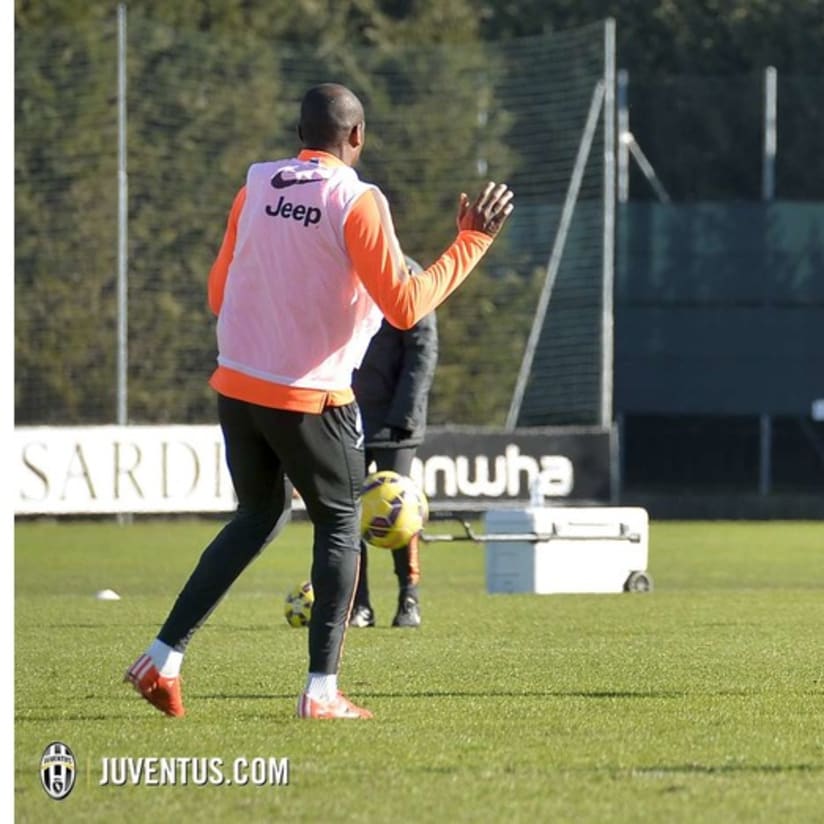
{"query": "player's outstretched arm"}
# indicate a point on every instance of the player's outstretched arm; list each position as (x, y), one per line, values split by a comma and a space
(378, 259)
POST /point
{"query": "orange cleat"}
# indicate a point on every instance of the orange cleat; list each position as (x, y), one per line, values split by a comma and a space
(161, 692)
(340, 707)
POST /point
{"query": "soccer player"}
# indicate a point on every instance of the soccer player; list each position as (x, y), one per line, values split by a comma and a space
(308, 264)
(392, 390)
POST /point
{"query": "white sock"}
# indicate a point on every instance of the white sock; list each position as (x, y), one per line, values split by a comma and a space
(167, 659)
(322, 686)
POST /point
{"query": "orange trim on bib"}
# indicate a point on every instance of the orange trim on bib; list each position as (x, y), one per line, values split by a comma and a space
(242, 387)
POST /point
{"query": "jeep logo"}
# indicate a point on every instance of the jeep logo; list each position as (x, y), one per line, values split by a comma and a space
(297, 211)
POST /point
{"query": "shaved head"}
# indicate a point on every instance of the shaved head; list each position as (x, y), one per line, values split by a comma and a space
(328, 114)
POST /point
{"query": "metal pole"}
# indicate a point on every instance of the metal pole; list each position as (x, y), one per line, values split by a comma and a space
(122, 239)
(646, 167)
(607, 321)
(768, 194)
(616, 460)
(770, 133)
(122, 225)
(623, 135)
(765, 462)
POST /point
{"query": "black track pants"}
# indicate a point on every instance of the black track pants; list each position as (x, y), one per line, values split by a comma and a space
(322, 455)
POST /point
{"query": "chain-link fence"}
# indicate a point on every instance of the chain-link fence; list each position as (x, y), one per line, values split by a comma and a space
(200, 108)
(441, 119)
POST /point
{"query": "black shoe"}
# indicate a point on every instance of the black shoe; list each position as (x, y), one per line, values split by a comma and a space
(408, 614)
(362, 616)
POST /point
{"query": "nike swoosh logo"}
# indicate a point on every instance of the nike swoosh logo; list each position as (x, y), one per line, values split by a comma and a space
(281, 182)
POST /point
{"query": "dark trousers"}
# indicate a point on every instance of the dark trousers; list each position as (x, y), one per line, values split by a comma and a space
(322, 455)
(405, 559)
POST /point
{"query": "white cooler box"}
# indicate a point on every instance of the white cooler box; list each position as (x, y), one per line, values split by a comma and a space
(574, 549)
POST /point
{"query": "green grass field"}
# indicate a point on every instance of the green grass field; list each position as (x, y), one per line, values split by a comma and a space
(701, 701)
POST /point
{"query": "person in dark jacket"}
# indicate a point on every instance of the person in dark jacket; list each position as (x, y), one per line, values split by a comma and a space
(392, 389)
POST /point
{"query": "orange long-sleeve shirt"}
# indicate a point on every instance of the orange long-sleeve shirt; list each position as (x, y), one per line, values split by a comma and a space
(376, 257)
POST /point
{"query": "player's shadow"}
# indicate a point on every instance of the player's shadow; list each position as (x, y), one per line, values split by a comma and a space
(606, 694)
(548, 693)
(595, 695)
(225, 696)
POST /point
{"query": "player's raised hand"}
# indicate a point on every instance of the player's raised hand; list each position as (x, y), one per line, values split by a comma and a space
(489, 211)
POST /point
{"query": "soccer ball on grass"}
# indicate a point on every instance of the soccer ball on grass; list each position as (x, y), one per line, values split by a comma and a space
(298, 605)
(393, 509)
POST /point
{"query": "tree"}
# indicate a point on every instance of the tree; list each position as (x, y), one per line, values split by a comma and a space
(65, 212)
(211, 88)
(215, 84)
(660, 37)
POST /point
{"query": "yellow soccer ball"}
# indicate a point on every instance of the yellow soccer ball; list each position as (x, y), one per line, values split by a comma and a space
(393, 509)
(298, 605)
